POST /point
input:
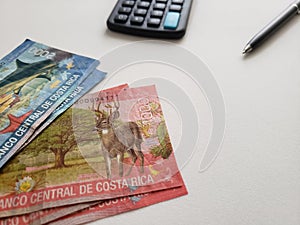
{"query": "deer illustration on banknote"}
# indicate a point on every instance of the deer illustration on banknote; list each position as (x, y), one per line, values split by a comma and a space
(118, 137)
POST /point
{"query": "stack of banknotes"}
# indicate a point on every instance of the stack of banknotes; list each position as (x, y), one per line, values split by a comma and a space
(68, 156)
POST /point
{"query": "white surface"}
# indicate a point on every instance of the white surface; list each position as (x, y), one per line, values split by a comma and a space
(256, 177)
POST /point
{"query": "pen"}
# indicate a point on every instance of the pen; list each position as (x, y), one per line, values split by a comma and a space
(273, 26)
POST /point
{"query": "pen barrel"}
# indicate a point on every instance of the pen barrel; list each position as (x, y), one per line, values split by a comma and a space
(297, 4)
(274, 25)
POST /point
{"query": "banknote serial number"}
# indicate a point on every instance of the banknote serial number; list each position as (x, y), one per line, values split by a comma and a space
(109, 97)
(42, 53)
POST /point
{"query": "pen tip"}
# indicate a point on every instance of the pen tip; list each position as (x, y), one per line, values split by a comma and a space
(247, 49)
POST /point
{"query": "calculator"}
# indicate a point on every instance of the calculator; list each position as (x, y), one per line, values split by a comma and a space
(151, 18)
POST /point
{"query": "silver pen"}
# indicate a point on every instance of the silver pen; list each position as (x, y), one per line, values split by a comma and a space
(289, 13)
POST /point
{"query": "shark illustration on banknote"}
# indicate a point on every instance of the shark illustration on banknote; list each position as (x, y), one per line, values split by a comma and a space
(11, 86)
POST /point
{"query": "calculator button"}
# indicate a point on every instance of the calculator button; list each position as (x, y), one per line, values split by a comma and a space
(144, 5)
(153, 22)
(175, 8)
(121, 18)
(140, 12)
(172, 20)
(159, 6)
(179, 2)
(125, 10)
(128, 3)
(162, 1)
(137, 20)
(157, 13)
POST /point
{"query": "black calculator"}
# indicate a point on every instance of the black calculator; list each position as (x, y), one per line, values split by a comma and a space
(151, 18)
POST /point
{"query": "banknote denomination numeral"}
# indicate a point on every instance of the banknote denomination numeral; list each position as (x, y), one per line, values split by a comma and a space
(145, 110)
(41, 52)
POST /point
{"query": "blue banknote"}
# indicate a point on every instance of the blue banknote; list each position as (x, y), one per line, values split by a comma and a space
(86, 85)
(34, 80)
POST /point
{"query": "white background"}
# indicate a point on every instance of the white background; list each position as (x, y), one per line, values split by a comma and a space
(256, 177)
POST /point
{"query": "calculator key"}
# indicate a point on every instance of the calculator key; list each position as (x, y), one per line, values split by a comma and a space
(140, 12)
(129, 3)
(175, 8)
(125, 10)
(179, 2)
(172, 20)
(162, 1)
(153, 22)
(144, 5)
(157, 13)
(159, 6)
(137, 20)
(121, 18)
